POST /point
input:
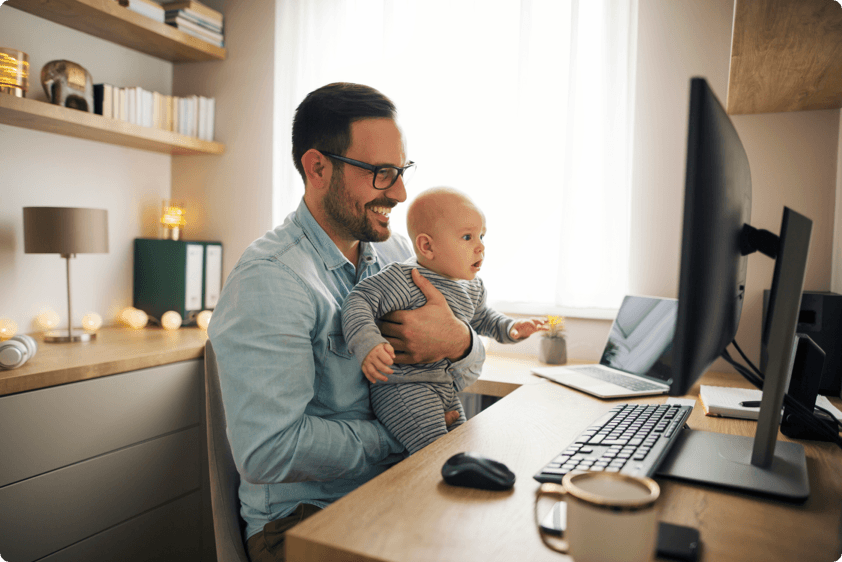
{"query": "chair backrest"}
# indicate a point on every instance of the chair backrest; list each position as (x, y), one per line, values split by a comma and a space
(224, 478)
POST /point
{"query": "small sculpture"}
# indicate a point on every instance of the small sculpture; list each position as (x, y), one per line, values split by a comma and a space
(68, 84)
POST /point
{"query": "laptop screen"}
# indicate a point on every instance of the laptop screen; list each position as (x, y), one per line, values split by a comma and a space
(641, 338)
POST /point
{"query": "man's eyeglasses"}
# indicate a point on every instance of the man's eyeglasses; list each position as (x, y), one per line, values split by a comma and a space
(384, 177)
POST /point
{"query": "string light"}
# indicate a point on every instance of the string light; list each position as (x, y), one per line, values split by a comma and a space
(171, 320)
(134, 318)
(203, 319)
(91, 322)
(8, 328)
(47, 319)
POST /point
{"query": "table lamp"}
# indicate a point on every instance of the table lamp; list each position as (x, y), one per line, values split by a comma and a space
(67, 231)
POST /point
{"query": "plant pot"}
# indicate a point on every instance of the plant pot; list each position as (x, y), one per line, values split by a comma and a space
(553, 351)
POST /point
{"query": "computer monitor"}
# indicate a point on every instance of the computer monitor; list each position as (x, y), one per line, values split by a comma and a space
(716, 241)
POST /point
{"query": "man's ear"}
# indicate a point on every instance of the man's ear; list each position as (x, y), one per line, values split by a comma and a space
(317, 168)
(424, 243)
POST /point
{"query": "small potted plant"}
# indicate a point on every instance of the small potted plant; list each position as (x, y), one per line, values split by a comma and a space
(553, 346)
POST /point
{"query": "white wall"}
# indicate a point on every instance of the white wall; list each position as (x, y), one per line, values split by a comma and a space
(229, 197)
(44, 169)
(792, 155)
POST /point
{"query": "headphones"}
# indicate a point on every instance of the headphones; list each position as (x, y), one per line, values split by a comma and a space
(16, 351)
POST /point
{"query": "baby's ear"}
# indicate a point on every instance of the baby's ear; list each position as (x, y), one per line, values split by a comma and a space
(424, 243)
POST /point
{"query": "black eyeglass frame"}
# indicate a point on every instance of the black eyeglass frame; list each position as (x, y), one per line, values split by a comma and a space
(372, 168)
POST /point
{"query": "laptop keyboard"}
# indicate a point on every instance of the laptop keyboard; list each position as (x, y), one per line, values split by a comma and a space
(629, 383)
(631, 438)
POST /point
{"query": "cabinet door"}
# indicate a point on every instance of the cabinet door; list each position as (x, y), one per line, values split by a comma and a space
(166, 533)
(45, 514)
(47, 429)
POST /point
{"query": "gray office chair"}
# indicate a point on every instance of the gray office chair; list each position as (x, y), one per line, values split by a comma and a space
(224, 478)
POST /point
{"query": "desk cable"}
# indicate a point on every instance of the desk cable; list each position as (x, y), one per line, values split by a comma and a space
(804, 414)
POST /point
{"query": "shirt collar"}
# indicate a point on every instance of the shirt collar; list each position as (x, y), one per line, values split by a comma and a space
(324, 246)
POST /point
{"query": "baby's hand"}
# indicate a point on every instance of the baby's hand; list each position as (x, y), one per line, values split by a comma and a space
(377, 362)
(522, 329)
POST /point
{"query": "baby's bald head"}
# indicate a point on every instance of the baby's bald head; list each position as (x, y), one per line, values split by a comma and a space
(434, 206)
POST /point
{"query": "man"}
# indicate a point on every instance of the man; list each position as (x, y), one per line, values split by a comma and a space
(297, 406)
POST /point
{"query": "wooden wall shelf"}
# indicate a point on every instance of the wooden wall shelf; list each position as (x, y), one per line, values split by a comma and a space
(785, 56)
(42, 116)
(109, 20)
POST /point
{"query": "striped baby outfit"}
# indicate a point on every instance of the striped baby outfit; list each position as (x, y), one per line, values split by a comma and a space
(412, 403)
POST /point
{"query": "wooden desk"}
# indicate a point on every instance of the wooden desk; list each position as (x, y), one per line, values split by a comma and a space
(115, 350)
(409, 513)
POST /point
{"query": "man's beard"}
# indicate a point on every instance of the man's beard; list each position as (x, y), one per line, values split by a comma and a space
(348, 216)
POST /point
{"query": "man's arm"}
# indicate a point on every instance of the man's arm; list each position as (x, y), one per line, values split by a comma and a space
(429, 333)
(262, 334)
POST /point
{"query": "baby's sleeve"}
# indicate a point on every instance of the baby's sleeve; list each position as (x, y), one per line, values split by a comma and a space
(489, 322)
(369, 300)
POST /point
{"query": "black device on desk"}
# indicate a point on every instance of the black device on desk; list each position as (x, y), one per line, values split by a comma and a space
(675, 542)
(716, 241)
(471, 470)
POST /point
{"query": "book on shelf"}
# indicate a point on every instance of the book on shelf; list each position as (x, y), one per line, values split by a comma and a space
(147, 8)
(192, 17)
(191, 116)
(103, 104)
(197, 30)
(197, 8)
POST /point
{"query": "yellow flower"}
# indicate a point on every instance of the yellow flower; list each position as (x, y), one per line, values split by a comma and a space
(555, 326)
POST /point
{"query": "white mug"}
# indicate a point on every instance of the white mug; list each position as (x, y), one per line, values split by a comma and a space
(611, 517)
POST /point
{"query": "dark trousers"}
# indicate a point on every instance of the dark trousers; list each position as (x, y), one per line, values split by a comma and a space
(268, 544)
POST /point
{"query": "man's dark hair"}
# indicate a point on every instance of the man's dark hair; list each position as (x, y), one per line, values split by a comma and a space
(323, 120)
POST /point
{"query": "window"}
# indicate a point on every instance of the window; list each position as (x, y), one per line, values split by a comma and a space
(525, 105)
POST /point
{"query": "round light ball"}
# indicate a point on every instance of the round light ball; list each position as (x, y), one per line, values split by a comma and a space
(8, 328)
(134, 318)
(91, 322)
(47, 319)
(171, 320)
(203, 319)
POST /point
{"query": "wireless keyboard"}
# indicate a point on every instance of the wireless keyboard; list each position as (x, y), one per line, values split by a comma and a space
(631, 438)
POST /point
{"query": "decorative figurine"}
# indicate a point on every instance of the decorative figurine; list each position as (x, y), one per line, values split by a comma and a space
(68, 84)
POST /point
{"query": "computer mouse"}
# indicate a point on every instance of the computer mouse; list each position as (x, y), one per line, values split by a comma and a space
(471, 470)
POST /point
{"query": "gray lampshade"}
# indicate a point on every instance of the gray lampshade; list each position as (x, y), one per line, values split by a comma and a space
(65, 230)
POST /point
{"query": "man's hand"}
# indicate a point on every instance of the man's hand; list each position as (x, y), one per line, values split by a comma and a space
(427, 334)
(377, 362)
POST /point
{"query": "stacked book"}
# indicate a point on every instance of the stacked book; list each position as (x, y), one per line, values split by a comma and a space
(192, 116)
(196, 19)
(147, 8)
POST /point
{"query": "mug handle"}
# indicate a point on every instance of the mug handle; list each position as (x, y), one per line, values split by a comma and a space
(555, 491)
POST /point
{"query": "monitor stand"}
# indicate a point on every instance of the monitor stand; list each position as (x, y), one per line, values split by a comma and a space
(725, 460)
(762, 464)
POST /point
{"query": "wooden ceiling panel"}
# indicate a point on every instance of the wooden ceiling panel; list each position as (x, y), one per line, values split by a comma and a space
(786, 55)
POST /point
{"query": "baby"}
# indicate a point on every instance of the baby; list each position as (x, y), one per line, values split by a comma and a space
(447, 232)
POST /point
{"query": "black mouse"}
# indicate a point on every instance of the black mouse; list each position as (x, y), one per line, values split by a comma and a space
(475, 471)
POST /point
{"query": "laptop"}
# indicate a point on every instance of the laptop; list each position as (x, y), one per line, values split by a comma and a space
(636, 360)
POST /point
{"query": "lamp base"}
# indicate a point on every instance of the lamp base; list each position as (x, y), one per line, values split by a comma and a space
(61, 336)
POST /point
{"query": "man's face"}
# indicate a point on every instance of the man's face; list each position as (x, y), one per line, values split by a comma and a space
(356, 210)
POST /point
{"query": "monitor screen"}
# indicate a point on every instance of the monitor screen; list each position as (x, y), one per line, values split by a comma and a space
(717, 203)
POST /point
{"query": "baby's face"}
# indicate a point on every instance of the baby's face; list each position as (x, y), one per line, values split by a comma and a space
(457, 242)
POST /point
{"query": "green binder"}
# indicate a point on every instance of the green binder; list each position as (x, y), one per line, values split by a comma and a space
(180, 275)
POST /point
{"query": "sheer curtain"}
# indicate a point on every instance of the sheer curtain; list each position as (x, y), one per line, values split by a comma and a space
(526, 105)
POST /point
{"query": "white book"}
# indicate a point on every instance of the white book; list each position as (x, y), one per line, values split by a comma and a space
(201, 36)
(182, 24)
(211, 118)
(147, 8)
(724, 401)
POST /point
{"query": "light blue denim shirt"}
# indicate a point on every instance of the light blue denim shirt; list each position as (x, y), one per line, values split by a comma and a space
(297, 405)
